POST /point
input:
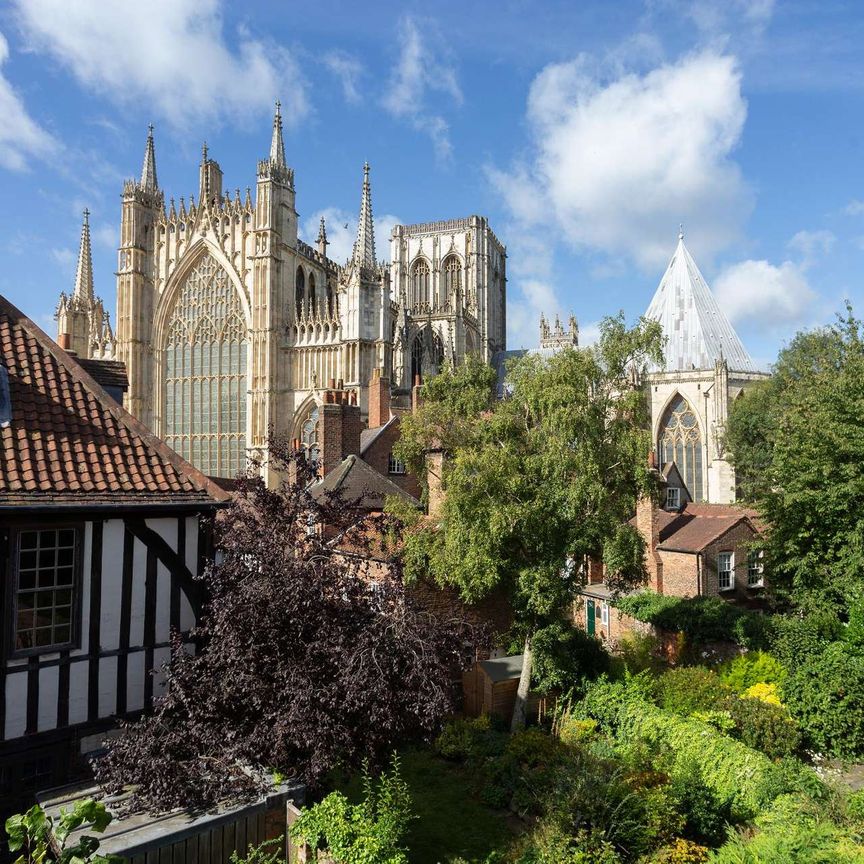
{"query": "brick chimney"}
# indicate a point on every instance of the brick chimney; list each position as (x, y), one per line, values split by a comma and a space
(379, 399)
(339, 428)
(648, 525)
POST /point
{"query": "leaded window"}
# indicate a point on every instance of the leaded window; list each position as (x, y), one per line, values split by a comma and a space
(452, 276)
(309, 432)
(206, 387)
(46, 563)
(421, 283)
(395, 465)
(755, 569)
(680, 441)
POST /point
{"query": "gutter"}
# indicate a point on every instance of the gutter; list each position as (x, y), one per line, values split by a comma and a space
(155, 507)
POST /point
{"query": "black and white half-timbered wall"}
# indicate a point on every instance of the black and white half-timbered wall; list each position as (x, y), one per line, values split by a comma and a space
(103, 529)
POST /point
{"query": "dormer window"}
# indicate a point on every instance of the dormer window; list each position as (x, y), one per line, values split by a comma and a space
(673, 498)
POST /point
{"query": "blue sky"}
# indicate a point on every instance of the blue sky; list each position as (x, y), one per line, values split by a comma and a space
(585, 131)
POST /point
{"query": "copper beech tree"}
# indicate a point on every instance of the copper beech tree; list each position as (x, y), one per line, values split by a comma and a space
(307, 658)
(536, 482)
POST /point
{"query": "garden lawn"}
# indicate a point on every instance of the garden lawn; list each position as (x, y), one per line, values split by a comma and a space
(451, 823)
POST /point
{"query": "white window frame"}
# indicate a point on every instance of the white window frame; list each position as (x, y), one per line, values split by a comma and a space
(755, 567)
(395, 466)
(673, 497)
(726, 572)
(604, 614)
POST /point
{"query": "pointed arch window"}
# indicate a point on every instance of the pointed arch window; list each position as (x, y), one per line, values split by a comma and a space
(205, 372)
(680, 441)
(420, 283)
(452, 276)
(312, 299)
(300, 292)
(427, 354)
(309, 431)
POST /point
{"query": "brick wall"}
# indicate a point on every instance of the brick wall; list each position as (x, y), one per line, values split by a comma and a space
(737, 541)
(378, 456)
(379, 399)
(339, 429)
(680, 573)
(648, 525)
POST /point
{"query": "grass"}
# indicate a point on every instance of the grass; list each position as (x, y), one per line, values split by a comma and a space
(451, 823)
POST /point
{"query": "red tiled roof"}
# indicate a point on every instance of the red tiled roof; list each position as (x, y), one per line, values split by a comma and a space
(699, 525)
(69, 443)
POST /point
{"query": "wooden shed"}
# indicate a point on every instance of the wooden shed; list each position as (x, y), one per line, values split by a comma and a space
(489, 687)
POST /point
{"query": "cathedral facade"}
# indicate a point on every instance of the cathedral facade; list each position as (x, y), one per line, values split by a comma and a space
(706, 368)
(232, 328)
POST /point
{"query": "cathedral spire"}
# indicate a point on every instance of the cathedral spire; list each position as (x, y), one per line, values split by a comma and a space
(148, 171)
(364, 248)
(277, 146)
(84, 273)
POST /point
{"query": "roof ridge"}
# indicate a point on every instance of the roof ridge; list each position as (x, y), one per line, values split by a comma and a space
(120, 414)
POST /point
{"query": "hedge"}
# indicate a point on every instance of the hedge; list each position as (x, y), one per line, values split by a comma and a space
(701, 619)
(735, 773)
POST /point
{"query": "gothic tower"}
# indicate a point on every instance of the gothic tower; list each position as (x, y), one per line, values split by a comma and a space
(142, 206)
(83, 325)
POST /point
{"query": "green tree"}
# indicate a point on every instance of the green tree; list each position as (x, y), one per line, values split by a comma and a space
(537, 482)
(797, 442)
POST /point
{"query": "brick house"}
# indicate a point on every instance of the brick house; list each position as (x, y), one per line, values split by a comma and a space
(691, 550)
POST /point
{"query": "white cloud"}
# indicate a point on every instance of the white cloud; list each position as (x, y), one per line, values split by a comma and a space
(106, 235)
(759, 292)
(348, 70)
(425, 67)
(812, 244)
(21, 137)
(67, 260)
(854, 207)
(342, 232)
(618, 162)
(715, 17)
(171, 54)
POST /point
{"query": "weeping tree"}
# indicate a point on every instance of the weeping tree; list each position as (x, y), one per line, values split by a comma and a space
(309, 656)
(538, 482)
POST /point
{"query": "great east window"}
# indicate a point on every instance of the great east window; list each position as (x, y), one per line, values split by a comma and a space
(680, 442)
(205, 373)
(45, 581)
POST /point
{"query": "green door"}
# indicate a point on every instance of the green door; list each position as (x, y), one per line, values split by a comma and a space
(589, 617)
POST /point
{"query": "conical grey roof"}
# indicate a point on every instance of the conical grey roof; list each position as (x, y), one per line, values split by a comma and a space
(697, 330)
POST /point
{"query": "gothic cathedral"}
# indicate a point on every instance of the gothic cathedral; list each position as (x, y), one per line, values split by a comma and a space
(231, 327)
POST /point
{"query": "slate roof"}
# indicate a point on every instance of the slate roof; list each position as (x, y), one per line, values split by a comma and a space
(69, 443)
(697, 526)
(697, 330)
(358, 480)
(369, 436)
(502, 668)
(106, 373)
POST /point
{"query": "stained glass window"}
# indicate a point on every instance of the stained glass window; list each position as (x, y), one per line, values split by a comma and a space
(681, 442)
(205, 373)
(309, 436)
(421, 283)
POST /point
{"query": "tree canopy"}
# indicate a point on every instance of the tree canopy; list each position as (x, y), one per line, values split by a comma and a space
(538, 481)
(797, 442)
(307, 659)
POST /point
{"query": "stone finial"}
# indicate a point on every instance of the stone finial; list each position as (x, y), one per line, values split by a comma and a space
(322, 237)
(277, 145)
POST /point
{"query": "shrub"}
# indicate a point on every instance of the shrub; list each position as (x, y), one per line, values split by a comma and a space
(691, 688)
(764, 692)
(764, 726)
(707, 817)
(796, 638)
(639, 652)
(360, 833)
(573, 730)
(791, 832)
(268, 852)
(469, 738)
(604, 699)
(738, 776)
(700, 619)
(825, 694)
(680, 852)
(564, 654)
(754, 667)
